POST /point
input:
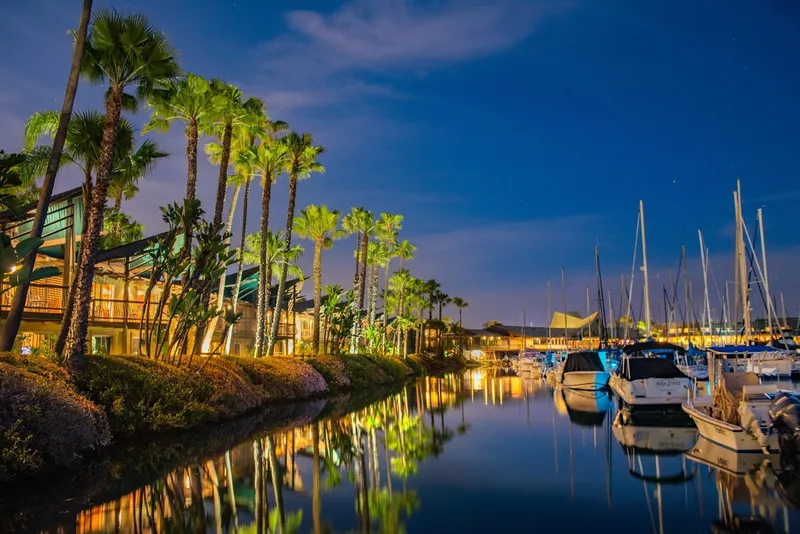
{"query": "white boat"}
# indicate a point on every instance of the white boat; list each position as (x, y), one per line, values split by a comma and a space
(597, 401)
(743, 387)
(654, 439)
(531, 362)
(584, 371)
(695, 371)
(762, 360)
(646, 378)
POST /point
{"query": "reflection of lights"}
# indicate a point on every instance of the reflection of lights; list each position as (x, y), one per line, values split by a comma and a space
(13, 268)
(187, 482)
(476, 353)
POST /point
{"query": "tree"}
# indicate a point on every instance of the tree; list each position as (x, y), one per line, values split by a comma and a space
(274, 257)
(120, 52)
(119, 229)
(320, 225)
(302, 162)
(82, 148)
(441, 300)
(431, 287)
(360, 222)
(460, 303)
(14, 318)
(130, 168)
(386, 228)
(268, 159)
(188, 100)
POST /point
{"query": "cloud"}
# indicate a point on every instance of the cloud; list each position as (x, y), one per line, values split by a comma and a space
(372, 34)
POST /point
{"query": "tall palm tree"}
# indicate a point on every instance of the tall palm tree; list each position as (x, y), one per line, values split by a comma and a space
(378, 257)
(431, 287)
(268, 159)
(120, 52)
(386, 228)
(405, 251)
(302, 162)
(269, 254)
(188, 100)
(82, 149)
(130, 168)
(11, 326)
(320, 225)
(360, 222)
(441, 299)
(460, 303)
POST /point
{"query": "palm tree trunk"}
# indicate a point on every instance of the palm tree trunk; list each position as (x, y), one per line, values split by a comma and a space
(363, 275)
(11, 326)
(191, 159)
(263, 281)
(222, 180)
(118, 201)
(316, 503)
(317, 292)
(276, 316)
(240, 264)
(385, 294)
(76, 339)
(277, 482)
(221, 288)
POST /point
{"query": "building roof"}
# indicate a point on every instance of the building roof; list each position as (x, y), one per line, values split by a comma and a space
(128, 250)
(29, 210)
(247, 290)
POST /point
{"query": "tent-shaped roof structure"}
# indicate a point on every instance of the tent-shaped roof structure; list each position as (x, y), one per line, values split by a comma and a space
(247, 290)
(565, 320)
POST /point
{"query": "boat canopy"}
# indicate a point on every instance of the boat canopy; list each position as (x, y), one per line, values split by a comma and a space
(741, 349)
(643, 368)
(653, 346)
(583, 361)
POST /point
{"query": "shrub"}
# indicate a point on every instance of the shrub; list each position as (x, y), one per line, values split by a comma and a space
(138, 394)
(43, 420)
(281, 379)
(332, 370)
(392, 366)
(364, 372)
(232, 391)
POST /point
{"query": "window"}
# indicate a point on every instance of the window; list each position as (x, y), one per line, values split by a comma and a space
(101, 344)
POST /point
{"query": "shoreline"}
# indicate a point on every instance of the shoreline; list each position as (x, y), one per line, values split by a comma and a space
(53, 423)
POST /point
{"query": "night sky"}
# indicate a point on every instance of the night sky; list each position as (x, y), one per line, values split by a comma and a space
(514, 135)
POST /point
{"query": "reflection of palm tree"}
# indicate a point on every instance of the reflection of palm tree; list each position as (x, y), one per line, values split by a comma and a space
(316, 499)
(277, 480)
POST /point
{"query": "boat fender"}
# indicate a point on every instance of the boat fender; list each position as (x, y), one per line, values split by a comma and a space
(751, 425)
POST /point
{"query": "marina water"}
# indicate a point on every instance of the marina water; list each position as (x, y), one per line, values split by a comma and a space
(486, 451)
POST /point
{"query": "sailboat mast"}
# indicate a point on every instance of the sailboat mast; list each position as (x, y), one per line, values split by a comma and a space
(743, 266)
(610, 317)
(685, 292)
(647, 321)
(760, 216)
(588, 310)
(549, 317)
(736, 263)
(707, 304)
(783, 312)
(564, 298)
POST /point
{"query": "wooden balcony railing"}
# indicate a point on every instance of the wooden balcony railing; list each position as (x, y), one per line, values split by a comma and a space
(247, 325)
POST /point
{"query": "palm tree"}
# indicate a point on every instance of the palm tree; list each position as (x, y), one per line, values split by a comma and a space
(82, 149)
(405, 251)
(268, 159)
(360, 222)
(188, 100)
(441, 299)
(11, 327)
(386, 228)
(269, 254)
(130, 168)
(431, 287)
(378, 257)
(120, 52)
(460, 303)
(320, 225)
(302, 161)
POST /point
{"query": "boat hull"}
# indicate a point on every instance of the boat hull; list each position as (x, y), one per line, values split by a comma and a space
(585, 380)
(587, 401)
(729, 436)
(736, 463)
(651, 391)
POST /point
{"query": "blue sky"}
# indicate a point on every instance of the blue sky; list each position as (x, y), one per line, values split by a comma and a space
(514, 135)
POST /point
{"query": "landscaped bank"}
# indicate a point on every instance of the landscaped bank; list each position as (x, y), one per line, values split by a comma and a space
(48, 419)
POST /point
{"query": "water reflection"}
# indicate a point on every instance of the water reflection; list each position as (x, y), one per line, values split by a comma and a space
(485, 452)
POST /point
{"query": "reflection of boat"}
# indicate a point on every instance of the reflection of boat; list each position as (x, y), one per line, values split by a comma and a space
(747, 402)
(585, 408)
(714, 455)
(654, 439)
(647, 375)
(584, 371)
(744, 478)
